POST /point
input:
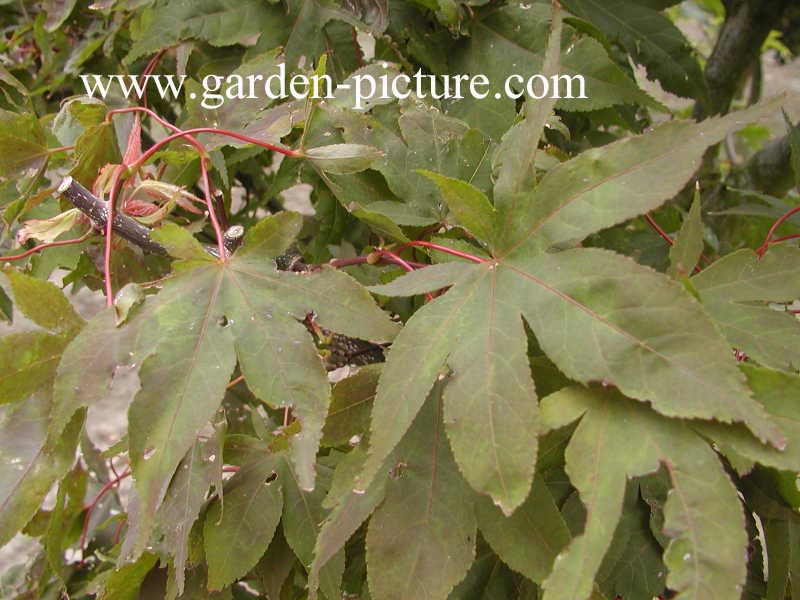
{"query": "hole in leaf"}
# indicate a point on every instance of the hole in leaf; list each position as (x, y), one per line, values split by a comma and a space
(398, 470)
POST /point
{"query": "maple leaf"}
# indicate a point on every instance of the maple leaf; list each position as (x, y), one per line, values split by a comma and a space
(32, 458)
(188, 339)
(703, 517)
(736, 291)
(598, 315)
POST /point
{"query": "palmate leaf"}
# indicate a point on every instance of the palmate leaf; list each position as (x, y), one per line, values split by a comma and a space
(252, 115)
(412, 140)
(28, 362)
(349, 511)
(298, 27)
(124, 583)
(302, 518)
(200, 469)
(632, 567)
(237, 532)
(781, 526)
(421, 482)
(165, 23)
(736, 290)
(32, 458)
(650, 38)
(425, 494)
(351, 403)
(208, 315)
(617, 439)
(489, 577)
(605, 186)
(510, 40)
(599, 316)
(777, 391)
(23, 147)
(530, 539)
(94, 148)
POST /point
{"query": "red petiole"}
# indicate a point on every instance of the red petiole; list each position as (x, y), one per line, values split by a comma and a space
(768, 240)
(232, 134)
(203, 165)
(41, 247)
(364, 260)
(407, 266)
(665, 236)
(445, 249)
(112, 196)
(90, 506)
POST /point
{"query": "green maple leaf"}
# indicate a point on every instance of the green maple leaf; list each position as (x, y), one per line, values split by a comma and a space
(776, 391)
(28, 359)
(510, 40)
(188, 339)
(349, 511)
(598, 315)
(428, 564)
(651, 39)
(300, 27)
(197, 473)
(736, 291)
(32, 458)
(531, 538)
(688, 247)
(632, 566)
(412, 139)
(238, 530)
(255, 116)
(165, 23)
(23, 147)
(617, 439)
(302, 518)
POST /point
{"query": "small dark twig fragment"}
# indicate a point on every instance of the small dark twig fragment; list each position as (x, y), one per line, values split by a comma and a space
(233, 238)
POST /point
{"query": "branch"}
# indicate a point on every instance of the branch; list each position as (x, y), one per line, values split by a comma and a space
(770, 169)
(747, 24)
(130, 229)
(97, 210)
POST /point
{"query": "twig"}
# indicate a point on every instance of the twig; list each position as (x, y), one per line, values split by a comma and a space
(657, 228)
(233, 238)
(234, 381)
(125, 227)
(92, 504)
(97, 210)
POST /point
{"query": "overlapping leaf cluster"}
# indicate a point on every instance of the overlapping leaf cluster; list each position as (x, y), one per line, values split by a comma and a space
(555, 420)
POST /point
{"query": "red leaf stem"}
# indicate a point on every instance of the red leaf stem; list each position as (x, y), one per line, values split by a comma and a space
(41, 247)
(445, 249)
